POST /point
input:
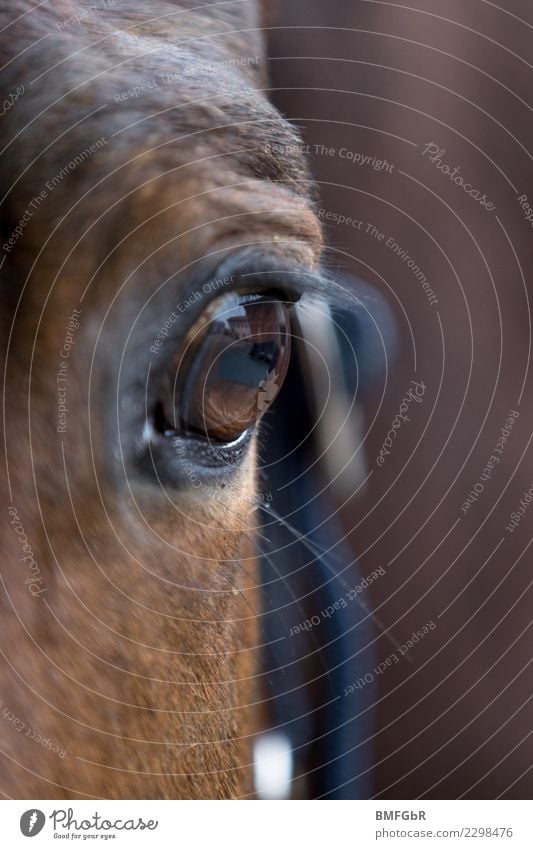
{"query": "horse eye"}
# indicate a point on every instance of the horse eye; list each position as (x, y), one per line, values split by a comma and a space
(228, 379)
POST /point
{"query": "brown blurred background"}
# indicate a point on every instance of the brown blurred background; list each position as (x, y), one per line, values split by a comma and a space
(384, 79)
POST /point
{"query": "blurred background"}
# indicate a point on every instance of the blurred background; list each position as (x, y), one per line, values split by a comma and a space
(419, 124)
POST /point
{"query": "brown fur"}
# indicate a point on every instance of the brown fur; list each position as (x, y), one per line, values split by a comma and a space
(138, 659)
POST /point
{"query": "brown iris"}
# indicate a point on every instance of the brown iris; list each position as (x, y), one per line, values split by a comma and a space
(232, 376)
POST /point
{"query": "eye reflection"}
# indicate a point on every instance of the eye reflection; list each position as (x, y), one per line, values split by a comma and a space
(231, 379)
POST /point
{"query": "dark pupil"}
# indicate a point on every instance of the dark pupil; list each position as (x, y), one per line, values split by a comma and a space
(238, 370)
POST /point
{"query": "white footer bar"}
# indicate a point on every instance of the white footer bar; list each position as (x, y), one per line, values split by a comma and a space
(267, 825)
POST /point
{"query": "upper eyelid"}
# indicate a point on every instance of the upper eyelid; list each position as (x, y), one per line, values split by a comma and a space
(271, 271)
(245, 271)
(299, 283)
(295, 281)
(287, 284)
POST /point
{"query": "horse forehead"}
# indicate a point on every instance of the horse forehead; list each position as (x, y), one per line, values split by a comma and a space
(200, 120)
(67, 43)
(145, 86)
